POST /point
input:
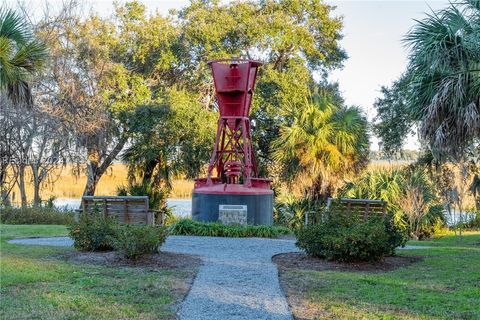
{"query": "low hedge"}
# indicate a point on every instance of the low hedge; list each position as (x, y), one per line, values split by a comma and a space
(93, 232)
(346, 239)
(214, 229)
(35, 215)
(135, 241)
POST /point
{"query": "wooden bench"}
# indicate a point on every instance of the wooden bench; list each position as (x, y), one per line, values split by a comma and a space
(363, 207)
(127, 209)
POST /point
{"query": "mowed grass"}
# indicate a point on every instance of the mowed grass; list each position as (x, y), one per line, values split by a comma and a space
(444, 285)
(36, 282)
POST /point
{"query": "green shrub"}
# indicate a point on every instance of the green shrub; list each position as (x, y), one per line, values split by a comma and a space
(474, 224)
(432, 223)
(35, 215)
(214, 229)
(93, 232)
(344, 238)
(135, 241)
(291, 212)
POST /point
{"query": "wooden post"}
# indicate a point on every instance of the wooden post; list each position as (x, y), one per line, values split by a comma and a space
(367, 209)
(84, 209)
(127, 216)
(105, 212)
(150, 217)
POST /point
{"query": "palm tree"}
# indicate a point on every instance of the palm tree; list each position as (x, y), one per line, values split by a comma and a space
(382, 184)
(323, 145)
(444, 93)
(444, 74)
(21, 55)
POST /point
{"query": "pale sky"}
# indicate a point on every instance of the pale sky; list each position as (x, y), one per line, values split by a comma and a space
(372, 38)
(373, 32)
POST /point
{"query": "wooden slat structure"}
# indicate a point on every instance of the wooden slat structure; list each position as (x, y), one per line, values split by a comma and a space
(127, 209)
(363, 207)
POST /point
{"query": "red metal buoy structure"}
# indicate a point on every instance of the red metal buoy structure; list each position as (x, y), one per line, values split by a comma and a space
(232, 178)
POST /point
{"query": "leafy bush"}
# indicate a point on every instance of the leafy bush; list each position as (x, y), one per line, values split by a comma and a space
(135, 241)
(474, 224)
(432, 224)
(214, 229)
(35, 215)
(290, 211)
(344, 238)
(94, 232)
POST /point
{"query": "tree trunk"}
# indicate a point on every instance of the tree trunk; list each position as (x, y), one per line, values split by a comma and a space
(21, 184)
(93, 176)
(36, 186)
(3, 190)
(95, 169)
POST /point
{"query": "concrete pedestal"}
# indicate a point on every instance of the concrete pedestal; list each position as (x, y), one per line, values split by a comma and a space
(207, 200)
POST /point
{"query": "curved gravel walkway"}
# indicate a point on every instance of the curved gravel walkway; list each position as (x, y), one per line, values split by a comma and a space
(237, 280)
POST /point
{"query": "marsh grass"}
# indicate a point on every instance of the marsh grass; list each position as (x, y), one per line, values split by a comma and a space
(68, 185)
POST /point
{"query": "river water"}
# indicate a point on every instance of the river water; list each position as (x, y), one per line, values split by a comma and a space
(180, 207)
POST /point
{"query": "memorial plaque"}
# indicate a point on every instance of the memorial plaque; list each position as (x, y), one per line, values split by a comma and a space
(232, 214)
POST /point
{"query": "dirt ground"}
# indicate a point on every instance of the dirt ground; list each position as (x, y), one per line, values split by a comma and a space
(163, 260)
(304, 262)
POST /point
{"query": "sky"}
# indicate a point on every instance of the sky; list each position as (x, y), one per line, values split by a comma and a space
(373, 32)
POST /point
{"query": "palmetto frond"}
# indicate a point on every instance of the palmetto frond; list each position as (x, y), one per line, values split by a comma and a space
(445, 78)
(13, 27)
(20, 56)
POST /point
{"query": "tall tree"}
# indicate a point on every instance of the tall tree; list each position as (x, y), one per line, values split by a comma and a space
(441, 91)
(8, 148)
(445, 78)
(89, 87)
(21, 56)
(294, 38)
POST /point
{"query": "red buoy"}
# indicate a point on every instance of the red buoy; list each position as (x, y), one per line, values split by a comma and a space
(233, 171)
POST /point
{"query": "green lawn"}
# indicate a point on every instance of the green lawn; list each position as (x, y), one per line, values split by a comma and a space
(37, 283)
(444, 285)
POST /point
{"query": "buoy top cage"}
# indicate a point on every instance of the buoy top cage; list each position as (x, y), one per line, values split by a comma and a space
(233, 157)
(234, 81)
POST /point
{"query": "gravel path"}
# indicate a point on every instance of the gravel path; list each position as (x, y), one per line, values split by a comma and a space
(237, 280)
(410, 247)
(53, 241)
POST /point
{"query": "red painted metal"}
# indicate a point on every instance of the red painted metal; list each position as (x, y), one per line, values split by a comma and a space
(233, 158)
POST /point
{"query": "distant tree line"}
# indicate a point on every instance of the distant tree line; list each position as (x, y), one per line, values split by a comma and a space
(402, 155)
